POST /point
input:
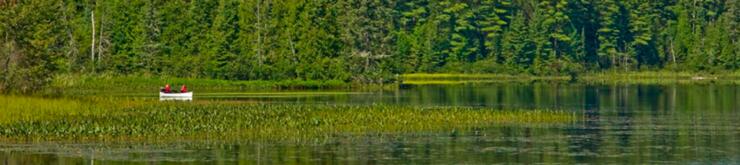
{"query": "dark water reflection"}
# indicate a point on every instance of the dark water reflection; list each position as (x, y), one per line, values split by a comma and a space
(623, 124)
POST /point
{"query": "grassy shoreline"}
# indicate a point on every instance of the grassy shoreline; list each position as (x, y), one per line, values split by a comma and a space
(595, 77)
(107, 81)
(71, 85)
(111, 83)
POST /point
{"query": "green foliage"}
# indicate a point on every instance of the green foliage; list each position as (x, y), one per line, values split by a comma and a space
(361, 41)
(32, 44)
(519, 45)
(495, 19)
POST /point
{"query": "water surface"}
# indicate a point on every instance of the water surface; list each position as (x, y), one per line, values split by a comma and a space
(622, 123)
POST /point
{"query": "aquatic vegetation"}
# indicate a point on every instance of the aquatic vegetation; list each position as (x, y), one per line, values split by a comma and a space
(659, 77)
(448, 82)
(243, 121)
(659, 74)
(451, 79)
(21, 108)
(640, 77)
(464, 76)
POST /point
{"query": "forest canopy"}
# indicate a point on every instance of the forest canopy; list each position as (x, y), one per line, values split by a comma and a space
(360, 40)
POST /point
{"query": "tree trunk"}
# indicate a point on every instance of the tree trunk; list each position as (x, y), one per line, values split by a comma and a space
(100, 39)
(673, 54)
(92, 44)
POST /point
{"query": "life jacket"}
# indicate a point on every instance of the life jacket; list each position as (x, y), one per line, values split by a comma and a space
(183, 89)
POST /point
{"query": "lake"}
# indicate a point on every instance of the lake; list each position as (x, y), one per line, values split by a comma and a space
(620, 123)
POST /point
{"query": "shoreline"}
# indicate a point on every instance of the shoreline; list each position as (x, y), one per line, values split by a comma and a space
(116, 83)
(643, 77)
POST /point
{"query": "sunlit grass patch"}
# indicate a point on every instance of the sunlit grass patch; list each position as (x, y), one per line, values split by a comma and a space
(445, 82)
(645, 75)
(466, 76)
(642, 77)
(659, 77)
(462, 78)
(239, 121)
(21, 108)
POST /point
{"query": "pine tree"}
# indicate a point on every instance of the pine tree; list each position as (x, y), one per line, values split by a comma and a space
(641, 18)
(539, 35)
(585, 18)
(151, 48)
(284, 39)
(683, 35)
(579, 48)
(518, 54)
(221, 51)
(413, 13)
(418, 35)
(175, 35)
(609, 33)
(556, 21)
(494, 19)
(728, 36)
(129, 35)
(427, 46)
(456, 17)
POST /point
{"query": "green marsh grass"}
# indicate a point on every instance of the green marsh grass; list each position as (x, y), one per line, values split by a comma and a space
(112, 83)
(155, 121)
(420, 77)
(660, 77)
(632, 77)
(22, 108)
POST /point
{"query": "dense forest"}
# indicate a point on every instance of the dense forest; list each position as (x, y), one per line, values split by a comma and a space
(360, 40)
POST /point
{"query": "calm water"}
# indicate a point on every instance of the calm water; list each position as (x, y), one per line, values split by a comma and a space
(624, 124)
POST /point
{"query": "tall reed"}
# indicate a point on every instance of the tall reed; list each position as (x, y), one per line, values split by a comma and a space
(228, 121)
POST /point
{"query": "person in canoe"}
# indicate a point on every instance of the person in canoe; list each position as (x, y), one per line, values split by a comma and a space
(167, 89)
(183, 89)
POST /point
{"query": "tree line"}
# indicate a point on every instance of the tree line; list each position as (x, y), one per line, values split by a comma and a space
(360, 40)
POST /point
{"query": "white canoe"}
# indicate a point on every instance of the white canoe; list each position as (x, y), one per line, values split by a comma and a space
(176, 96)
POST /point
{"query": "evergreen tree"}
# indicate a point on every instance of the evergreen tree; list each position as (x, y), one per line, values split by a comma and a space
(641, 48)
(360, 40)
(223, 34)
(495, 14)
(519, 47)
(457, 16)
(129, 35)
(176, 37)
(556, 23)
(609, 33)
(32, 41)
(728, 36)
